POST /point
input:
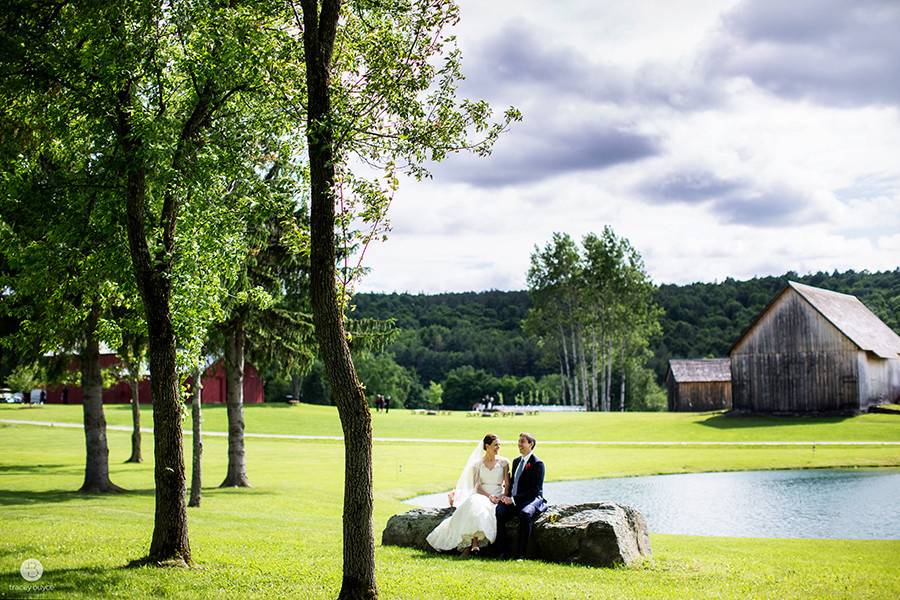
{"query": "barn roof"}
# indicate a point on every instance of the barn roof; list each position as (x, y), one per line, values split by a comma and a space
(701, 369)
(853, 319)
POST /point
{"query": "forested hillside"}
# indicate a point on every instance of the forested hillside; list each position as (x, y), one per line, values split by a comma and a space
(705, 319)
(441, 332)
(445, 331)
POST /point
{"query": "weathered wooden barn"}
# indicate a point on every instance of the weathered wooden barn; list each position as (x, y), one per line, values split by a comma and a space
(699, 384)
(815, 351)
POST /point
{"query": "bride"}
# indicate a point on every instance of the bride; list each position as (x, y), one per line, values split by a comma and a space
(484, 480)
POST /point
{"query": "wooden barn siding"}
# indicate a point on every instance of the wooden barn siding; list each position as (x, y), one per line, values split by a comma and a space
(879, 380)
(794, 360)
(702, 395)
(671, 392)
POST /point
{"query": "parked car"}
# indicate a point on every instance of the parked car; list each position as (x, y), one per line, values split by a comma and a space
(7, 396)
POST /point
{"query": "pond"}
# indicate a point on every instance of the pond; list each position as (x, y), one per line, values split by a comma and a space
(808, 503)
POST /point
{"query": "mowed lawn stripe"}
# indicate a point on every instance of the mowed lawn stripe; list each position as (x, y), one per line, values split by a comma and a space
(322, 422)
(414, 440)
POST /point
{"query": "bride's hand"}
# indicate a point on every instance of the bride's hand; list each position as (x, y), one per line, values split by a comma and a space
(494, 499)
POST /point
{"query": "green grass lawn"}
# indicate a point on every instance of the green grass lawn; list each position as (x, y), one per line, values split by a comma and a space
(282, 537)
(306, 419)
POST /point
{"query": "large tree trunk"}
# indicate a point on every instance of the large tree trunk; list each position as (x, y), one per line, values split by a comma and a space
(349, 396)
(236, 475)
(170, 526)
(134, 381)
(96, 465)
(197, 439)
(169, 544)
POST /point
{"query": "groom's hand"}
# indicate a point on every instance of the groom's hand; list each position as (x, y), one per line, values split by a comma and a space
(506, 500)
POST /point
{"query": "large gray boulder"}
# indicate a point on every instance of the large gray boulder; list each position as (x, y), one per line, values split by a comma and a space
(600, 534)
(411, 528)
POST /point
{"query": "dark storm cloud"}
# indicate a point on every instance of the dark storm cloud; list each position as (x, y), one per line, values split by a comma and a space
(533, 152)
(515, 62)
(835, 52)
(735, 201)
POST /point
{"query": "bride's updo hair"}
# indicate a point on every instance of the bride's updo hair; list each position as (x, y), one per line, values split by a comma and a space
(488, 440)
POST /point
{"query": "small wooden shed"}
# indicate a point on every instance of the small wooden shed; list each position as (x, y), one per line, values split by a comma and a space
(815, 351)
(699, 384)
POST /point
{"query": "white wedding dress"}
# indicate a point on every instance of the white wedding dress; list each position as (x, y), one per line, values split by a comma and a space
(474, 517)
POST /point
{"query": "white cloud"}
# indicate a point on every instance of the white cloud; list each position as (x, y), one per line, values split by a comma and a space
(782, 180)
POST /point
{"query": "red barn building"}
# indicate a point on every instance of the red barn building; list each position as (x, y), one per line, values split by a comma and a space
(120, 393)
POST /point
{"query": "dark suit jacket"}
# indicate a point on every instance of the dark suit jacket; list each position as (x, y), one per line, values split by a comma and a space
(531, 485)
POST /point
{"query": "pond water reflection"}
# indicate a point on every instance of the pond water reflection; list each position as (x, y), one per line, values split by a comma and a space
(809, 503)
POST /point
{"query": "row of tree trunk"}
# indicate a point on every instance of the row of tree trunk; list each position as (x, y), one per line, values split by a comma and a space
(96, 473)
(586, 367)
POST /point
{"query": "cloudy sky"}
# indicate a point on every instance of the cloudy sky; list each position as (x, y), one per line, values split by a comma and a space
(722, 138)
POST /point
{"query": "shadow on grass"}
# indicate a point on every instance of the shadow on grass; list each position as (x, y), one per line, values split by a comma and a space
(57, 583)
(20, 552)
(723, 421)
(417, 554)
(32, 468)
(27, 498)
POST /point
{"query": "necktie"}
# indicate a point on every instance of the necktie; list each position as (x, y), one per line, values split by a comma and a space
(519, 470)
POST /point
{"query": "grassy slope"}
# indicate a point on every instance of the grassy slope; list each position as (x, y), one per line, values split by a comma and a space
(307, 419)
(282, 538)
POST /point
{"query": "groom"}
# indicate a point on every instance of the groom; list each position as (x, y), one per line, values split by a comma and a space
(525, 498)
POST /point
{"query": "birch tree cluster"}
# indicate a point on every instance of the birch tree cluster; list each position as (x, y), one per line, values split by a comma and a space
(592, 309)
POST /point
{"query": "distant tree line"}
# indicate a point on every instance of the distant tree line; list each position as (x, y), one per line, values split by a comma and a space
(706, 319)
(479, 336)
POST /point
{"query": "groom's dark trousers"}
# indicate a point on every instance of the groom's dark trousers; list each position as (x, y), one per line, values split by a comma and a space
(529, 504)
